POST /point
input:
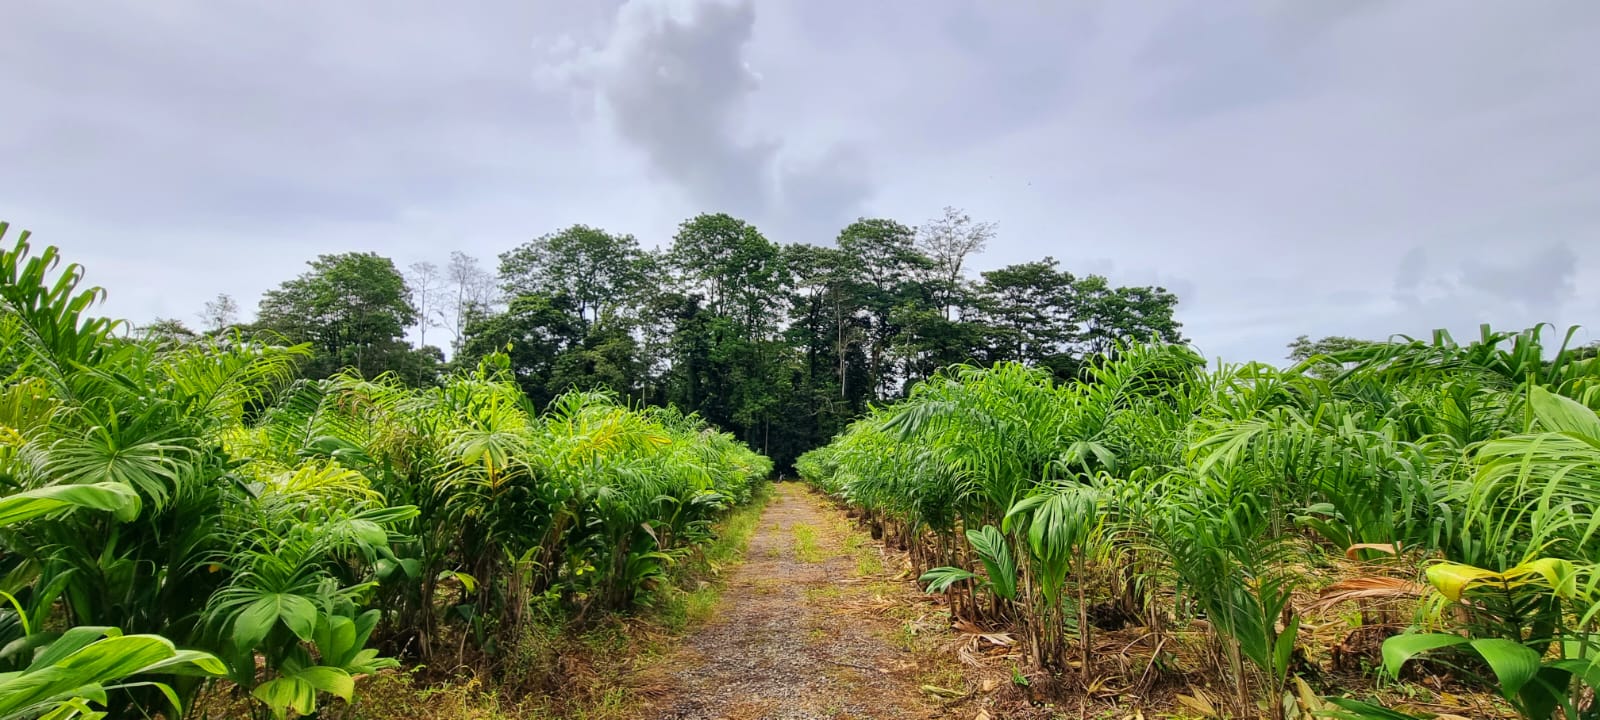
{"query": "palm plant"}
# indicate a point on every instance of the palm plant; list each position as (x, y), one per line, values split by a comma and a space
(286, 524)
(60, 674)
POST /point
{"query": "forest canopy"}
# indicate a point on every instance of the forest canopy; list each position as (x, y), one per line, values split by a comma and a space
(781, 344)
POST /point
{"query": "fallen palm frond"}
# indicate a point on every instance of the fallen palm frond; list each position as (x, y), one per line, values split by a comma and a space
(1368, 589)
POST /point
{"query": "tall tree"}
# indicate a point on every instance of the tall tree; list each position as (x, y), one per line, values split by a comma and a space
(732, 265)
(1303, 348)
(220, 313)
(594, 268)
(353, 308)
(471, 292)
(888, 261)
(533, 332)
(727, 322)
(1113, 314)
(948, 241)
(1031, 309)
(166, 331)
(828, 383)
(427, 284)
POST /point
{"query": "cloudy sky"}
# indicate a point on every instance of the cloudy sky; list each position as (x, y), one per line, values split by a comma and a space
(1358, 168)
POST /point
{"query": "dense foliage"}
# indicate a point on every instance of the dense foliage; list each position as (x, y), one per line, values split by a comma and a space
(193, 493)
(1156, 491)
(781, 344)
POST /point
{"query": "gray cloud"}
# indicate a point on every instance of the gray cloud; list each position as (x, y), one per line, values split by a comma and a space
(1323, 168)
(674, 82)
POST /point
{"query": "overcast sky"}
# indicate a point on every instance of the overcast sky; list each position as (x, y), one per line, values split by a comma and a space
(1349, 167)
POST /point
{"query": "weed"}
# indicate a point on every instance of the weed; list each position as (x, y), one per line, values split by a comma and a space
(868, 564)
(805, 543)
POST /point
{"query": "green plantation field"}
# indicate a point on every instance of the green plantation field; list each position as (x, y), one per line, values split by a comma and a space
(219, 526)
(1419, 510)
(291, 535)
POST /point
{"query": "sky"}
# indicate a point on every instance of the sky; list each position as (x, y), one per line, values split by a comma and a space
(1355, 168)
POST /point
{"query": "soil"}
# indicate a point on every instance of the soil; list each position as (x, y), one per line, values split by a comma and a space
(802, 630)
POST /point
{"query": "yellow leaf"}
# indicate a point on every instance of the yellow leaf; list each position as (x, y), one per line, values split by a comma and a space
(1308, 697)
(1198, 704)
(1453, 578)
(1560, 574)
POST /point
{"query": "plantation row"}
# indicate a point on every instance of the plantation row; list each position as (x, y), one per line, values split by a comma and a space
(1189, 503)
(292, 534)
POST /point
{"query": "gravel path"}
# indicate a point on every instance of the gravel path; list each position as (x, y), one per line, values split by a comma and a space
(795, 634)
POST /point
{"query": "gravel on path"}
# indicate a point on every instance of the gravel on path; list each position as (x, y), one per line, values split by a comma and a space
(783, 643)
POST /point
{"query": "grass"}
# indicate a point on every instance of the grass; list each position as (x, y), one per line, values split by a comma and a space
(868, 564)
(824, 593)
(805, 543)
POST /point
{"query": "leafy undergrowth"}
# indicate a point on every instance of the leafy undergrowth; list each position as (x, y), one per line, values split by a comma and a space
(982, 672)
(587, 668)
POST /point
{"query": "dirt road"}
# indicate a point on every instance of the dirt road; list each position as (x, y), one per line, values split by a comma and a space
(803, 630)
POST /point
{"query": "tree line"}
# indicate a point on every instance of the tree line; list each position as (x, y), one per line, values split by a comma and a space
(781, 344)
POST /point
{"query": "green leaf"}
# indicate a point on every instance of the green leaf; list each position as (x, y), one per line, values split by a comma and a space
(940, 579)
(1021, 508)
(192, 663)
(116, 498)
(1401, 648)
(1513, 663)
(331, 680)
(336, 639)
(1283, 647)
(1562, 414)
(997, 561)
(282, 694)
(1359, 710)
(86, 670)
(252, 624)
(369, 533)
(71, 641)
(468, 582)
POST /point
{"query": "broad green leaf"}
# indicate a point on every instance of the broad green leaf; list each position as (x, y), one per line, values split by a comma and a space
(1021, 508)
(1283, 647)
(1400, 648)
(369, 533)
(1513, 663)
(116, 498)
(87, 670)
(1562, 414)
(367, 661)
(255, 621)
(71, 641)
(285, 693)
(192, 663)
(299, 614)
(336, 640)
(996, 556)
(331, 680)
